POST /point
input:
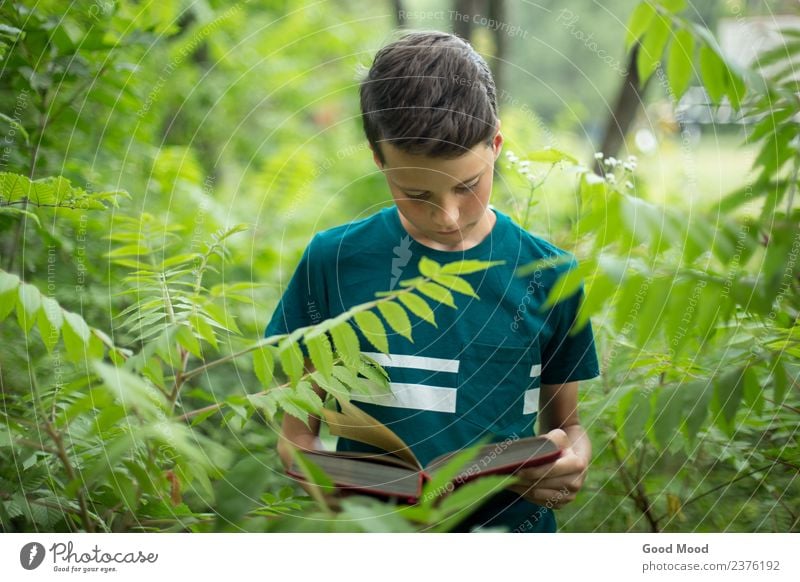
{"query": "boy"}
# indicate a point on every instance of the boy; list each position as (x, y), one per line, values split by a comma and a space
(491, 366)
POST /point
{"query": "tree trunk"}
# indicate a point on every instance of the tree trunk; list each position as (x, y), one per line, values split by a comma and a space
(497, 12)
(399, 13)
(626, 106)
(464, 10)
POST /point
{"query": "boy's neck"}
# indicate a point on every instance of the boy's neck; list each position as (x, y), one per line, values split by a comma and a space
(475, 237)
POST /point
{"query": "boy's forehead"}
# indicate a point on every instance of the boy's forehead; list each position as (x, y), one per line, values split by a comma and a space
(405, 167)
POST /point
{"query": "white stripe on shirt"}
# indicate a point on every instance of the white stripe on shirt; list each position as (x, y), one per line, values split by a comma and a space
(418, 362)
(417, 396)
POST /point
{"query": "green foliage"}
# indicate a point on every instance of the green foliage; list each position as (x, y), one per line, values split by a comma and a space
(134, 392)
(698, 309)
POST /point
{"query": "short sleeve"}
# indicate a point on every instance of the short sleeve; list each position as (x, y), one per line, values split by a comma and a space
(304, 302)
(565, 357)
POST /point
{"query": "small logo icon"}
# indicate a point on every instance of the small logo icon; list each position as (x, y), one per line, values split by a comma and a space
(31, 555)
(402, 254)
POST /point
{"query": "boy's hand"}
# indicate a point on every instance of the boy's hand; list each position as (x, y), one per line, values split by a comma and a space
(556, 483)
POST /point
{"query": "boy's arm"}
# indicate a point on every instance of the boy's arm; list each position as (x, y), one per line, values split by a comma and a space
(295, 433)
(558, 483)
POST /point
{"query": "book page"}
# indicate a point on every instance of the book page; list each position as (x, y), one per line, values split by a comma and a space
(353, 423)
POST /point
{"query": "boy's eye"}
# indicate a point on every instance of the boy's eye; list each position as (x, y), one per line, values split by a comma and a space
(417, 195)
(467, 188)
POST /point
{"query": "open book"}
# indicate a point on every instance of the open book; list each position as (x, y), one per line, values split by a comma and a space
(397, 473)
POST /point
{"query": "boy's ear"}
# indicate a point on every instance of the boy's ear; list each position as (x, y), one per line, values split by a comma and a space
(497, 142)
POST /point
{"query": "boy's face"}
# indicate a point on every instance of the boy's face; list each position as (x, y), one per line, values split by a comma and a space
(443, 202)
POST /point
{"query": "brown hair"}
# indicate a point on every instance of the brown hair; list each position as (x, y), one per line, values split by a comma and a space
(429, 93)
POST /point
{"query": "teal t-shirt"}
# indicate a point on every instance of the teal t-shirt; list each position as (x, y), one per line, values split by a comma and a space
(479, 370)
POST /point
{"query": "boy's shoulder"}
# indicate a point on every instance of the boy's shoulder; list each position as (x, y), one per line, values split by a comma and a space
(530, 247)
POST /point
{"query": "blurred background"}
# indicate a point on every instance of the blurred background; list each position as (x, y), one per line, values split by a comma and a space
(213, 113)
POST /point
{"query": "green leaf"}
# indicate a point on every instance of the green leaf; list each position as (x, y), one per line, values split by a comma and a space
(437, 293)
(652, 47)
(291, 358)
(728, 391)
(568, 283)
(640, 20)
(736, 89)
(9, 285)
(428, 268)
(779, 380)
(439, 484)
(264, 365)
(21, 212)
(632, 415)
(125, 489)
(50, 320)
(319, 349)
(307, 397)
(669, 405)
(468, 266)
(266, 403)
(288, 403)
(673, 6)
(600, 289)
(28, 305)
(373, 330)
(372, 370)
(418, 306)
(653, 310)
(680, 63)
(396, 317)
(753, 395)
(77, 324)
(468, 498)
(186, 338)
(131, 390)
(314, 475)
(543, 264)
(204, 329)
(354, 383)
(101, 465)
(456, 284)
(332, 385)
(15, 124)
(239, 491)
(713, 71)
(346, 343)
(550, 155)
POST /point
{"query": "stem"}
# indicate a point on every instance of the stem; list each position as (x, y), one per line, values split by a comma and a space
(61, 453)
(718, 487)
(184, 353)
(635, 490)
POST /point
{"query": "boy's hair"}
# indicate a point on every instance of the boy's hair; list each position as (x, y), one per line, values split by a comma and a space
(429, 93)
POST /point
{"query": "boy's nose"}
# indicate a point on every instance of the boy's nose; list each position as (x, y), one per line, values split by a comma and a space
(445, 216)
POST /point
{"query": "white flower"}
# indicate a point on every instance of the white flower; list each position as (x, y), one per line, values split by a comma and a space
(525, 164)
(598, 156)
(511, 157)
(611, 178)
(611, 161)
(629, 185)
(628, 167)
